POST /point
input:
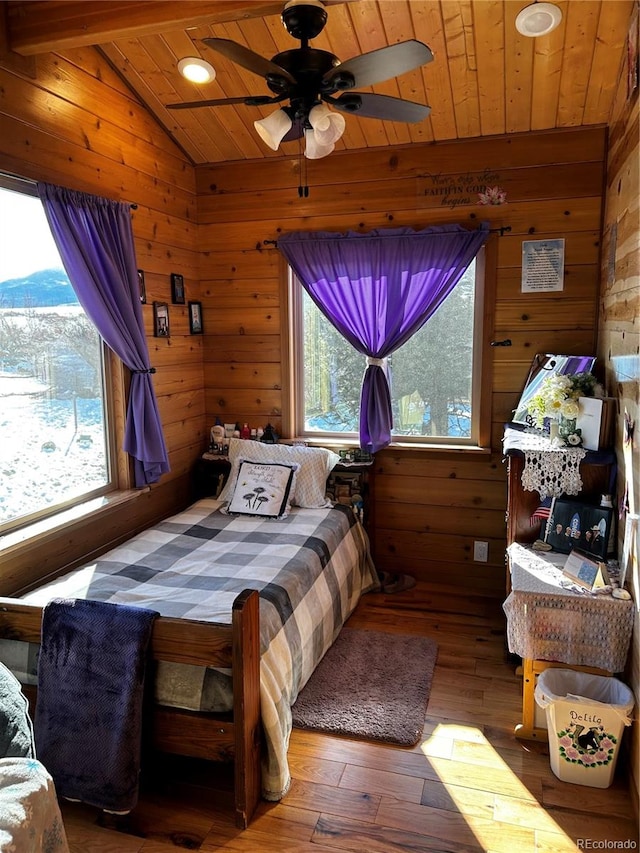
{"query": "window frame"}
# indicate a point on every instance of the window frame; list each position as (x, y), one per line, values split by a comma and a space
(482, 379)
(115, 392)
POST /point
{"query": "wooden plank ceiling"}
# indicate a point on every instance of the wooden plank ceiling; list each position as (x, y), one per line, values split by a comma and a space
(485, 79)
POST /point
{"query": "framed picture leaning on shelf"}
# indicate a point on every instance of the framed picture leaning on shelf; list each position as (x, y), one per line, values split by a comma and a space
(578, 525)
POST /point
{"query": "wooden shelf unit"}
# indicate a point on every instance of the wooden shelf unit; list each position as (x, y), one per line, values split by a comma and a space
(597, 472)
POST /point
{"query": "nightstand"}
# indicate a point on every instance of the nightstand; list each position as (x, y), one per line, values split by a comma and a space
(209, 475)
(348, 480)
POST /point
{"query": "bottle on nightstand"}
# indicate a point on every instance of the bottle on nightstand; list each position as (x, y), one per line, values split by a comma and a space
(217, 437)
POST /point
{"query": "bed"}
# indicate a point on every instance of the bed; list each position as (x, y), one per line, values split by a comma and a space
(251, 601)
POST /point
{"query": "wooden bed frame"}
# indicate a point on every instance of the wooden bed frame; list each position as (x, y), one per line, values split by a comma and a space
(200, 735)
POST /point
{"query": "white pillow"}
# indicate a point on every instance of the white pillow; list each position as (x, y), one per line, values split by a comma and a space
(316, 463)
(262, 490)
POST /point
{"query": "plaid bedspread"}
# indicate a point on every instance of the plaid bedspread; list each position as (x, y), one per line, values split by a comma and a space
(310, 569)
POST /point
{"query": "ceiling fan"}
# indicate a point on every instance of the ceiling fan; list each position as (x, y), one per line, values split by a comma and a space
(311, 79)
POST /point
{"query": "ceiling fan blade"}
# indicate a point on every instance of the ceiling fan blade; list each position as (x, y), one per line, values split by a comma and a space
(384, 63)
(248, 100)
(248, 58)
(384, 107)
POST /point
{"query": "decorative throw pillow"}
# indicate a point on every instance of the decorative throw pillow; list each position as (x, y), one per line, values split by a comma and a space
(315, 465)
(262, 490)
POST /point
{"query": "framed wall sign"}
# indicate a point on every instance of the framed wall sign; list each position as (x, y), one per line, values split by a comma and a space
(161, 320)
(177, 289)
(542, 265)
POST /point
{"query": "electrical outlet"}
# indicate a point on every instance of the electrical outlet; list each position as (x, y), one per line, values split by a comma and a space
(480, 552)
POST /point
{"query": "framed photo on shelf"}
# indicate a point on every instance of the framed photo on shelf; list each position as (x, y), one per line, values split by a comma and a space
(195, 318)
(161, 320)
(177, 289)
(573, 524)
(141, 287)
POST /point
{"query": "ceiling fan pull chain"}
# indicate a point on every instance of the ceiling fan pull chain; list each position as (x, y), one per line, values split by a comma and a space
(303, 190)
(300, 166)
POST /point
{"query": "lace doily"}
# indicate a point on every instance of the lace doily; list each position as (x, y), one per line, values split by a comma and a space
(548, 469)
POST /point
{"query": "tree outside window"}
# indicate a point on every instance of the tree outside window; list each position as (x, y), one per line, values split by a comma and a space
(431, 376)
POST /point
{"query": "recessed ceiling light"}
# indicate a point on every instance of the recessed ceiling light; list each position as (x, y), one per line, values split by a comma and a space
(196, 70)
(538, 19)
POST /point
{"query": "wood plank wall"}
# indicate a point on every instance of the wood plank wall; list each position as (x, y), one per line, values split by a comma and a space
(429, 506)
(619, 335)
(74, 123)
(69, 119)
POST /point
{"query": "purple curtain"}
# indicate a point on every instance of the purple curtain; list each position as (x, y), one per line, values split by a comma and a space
(95, 241)
(378, 289)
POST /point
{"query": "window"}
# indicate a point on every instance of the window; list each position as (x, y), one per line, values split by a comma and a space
(54, 447)
(434, 378)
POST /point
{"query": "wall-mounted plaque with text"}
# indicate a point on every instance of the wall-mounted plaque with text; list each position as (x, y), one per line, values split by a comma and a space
(542, 266)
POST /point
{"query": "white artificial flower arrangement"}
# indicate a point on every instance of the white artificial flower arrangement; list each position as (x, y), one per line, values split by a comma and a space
(557, 400)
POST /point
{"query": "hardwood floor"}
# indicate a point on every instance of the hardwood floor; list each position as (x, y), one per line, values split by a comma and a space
(468, 785)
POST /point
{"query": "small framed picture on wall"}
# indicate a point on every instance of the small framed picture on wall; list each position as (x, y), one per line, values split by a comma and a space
(141, 287)
(195, 318)
(161, 320)
(177, 289)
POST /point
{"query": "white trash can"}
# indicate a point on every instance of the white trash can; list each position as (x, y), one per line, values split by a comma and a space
(586, 716)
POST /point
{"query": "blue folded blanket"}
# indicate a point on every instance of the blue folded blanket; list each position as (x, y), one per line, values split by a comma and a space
(90, 694)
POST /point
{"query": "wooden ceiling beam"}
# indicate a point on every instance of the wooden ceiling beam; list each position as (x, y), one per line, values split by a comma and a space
(41, 26)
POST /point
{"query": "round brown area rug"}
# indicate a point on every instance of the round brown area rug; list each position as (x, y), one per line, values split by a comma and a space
(370, 685)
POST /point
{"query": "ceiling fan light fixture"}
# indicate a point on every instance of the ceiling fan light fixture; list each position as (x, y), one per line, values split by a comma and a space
(196, 70)
(274, 128)
(538, 19)
(328, 126)
(313, 149)
(309, 78)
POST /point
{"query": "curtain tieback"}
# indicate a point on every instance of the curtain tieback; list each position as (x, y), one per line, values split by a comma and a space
(375, 362)
(150, 370)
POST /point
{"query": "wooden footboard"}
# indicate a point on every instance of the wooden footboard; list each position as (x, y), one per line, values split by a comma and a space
(235, 646)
